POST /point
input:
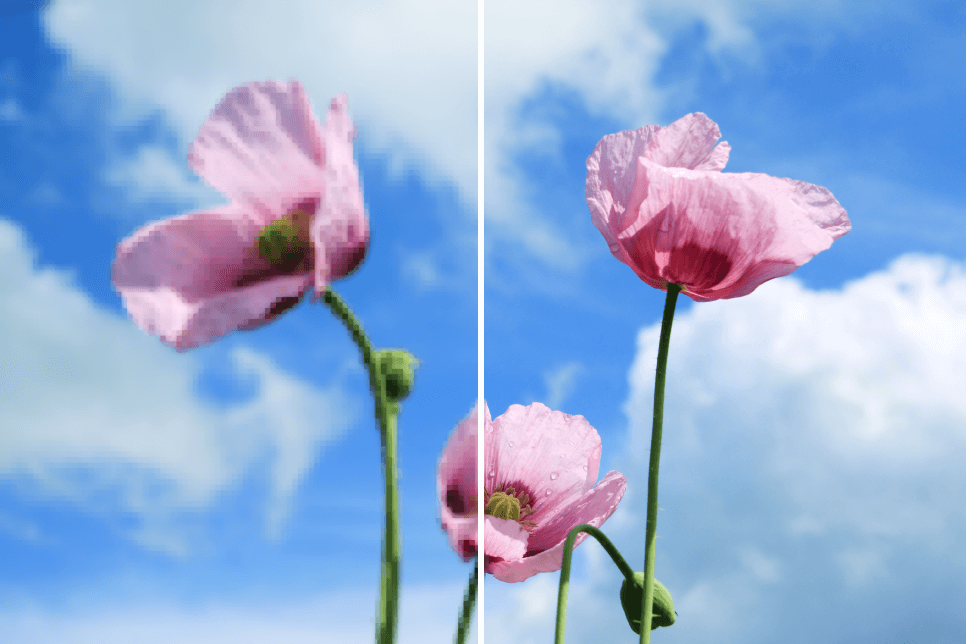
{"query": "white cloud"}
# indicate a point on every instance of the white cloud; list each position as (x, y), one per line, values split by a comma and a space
(561, 383)
(813, 443)
(409, 66)
(10, 111)
(91, 406)
(602, 51)
(427, 615)
(422, 269)
(153, 173)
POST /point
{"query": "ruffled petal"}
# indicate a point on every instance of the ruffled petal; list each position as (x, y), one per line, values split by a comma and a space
(594, 507)
(457, 487)
(262, 146)
(179, 278)
(689, 142)
(340, 230)
(723, 235)
(547, 541)
(504, 539)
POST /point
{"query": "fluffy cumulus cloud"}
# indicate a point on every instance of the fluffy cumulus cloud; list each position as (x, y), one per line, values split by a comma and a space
(96, 412)
(408, 67)
(811, 464)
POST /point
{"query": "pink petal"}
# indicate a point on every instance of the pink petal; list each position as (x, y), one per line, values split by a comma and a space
(547, 541)
(178, 278)
(689, 142)
(551, 455)
(262, 146)
(457, 487)
(340, 230)
(463, 536)
(722, 235)
(504, 539)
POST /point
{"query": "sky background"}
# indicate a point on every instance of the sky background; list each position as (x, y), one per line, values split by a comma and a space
(811, 481)
(811, 470)
(232, 493)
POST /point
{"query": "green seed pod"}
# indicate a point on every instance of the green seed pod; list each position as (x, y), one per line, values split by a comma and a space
(397, 367)
(503, 506)
(632, 595)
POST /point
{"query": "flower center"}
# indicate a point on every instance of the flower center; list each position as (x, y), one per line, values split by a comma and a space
(284, 243)
(509, 504)
(503, 506)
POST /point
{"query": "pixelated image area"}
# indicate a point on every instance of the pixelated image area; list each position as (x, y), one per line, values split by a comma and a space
(11, 7)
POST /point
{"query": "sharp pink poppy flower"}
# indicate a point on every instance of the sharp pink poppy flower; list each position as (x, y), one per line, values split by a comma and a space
(194, 278)
(539, 479)
(456, 483)
(659, 197)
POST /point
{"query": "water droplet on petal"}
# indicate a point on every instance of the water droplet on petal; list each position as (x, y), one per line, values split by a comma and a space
(553, 476)
(548, 491)
(492, 472)
(585, 468)
(511, 443)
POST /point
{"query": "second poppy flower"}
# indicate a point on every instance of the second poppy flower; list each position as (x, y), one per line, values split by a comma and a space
(540, 480)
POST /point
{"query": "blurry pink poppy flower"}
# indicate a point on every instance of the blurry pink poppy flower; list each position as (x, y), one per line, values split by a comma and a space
(456, 483)
(539, 482)
(659, 197)
(196, 277)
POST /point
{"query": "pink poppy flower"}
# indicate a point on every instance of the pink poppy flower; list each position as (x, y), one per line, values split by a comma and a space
(541, 469)
(659, 197)
(456, 483)
(194, 278)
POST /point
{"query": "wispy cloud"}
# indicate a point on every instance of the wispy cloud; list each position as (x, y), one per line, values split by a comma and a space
(561, 383)
(345, 616)
(98, 410)
(600, 61)
(408, 67)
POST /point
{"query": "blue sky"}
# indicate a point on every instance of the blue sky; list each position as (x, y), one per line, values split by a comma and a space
(811, 461)
(232, 493)
(811, 478)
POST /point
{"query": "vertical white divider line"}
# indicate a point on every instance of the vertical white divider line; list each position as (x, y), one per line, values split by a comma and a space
(479, 311)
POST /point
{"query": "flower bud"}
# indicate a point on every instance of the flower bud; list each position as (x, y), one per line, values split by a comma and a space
(397, 367)
(632, 596)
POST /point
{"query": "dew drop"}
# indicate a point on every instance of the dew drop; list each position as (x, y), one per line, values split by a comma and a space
(511, 443)
(548, 492)
(585, 468)
(553, 476)
(492, 472)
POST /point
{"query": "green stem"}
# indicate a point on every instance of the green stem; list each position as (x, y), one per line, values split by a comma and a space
(386, 412)
(650, 541)
(469, 602)
(568, 551)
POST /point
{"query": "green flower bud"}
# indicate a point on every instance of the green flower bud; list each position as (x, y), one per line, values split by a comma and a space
(632, 596)
(397, 367)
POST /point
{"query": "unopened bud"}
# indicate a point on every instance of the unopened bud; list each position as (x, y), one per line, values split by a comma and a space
(632, 596)
(398, 369)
